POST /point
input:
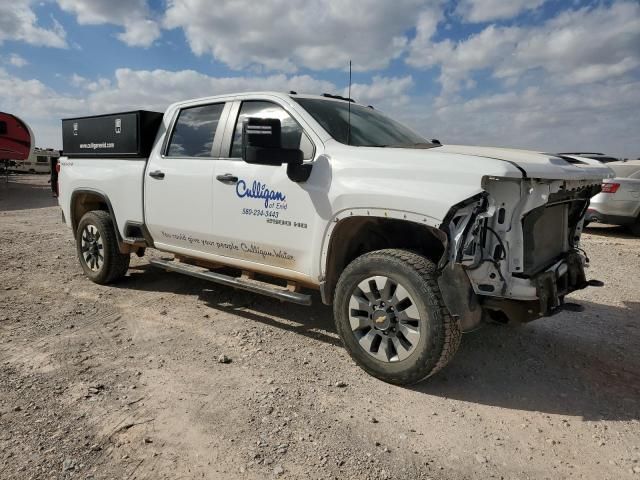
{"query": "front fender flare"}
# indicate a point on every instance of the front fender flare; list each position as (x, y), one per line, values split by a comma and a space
(420, 219)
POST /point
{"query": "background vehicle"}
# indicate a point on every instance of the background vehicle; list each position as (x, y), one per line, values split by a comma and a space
(619, 201)
(411, 242)
(16, 142)
(601, 157)
(38, 162)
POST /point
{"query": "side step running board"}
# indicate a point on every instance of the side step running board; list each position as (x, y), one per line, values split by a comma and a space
(134, 240)
(267, 289)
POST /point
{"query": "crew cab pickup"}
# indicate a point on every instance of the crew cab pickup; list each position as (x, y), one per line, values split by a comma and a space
(412, 242)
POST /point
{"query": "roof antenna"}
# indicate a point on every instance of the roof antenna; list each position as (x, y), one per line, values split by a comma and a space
(349, 96)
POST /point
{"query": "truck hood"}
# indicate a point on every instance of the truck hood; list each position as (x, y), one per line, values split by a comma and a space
(430, 181)
(534, 164)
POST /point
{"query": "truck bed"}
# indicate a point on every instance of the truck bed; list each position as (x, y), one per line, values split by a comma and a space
(119, 180)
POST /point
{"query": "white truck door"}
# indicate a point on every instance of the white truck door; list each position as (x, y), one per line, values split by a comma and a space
(260, 215)
(178, 192)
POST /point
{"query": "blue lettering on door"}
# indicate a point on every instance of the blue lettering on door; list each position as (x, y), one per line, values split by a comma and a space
(259, 190)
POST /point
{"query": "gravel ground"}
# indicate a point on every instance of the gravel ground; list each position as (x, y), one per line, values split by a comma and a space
(126, 381)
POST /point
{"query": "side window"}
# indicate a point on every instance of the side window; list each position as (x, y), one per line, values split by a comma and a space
(292, 134)
(194, 131)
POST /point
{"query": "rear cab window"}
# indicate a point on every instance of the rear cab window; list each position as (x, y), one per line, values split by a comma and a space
(194, 131)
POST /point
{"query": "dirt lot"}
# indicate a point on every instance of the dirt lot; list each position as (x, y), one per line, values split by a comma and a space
(124, 381)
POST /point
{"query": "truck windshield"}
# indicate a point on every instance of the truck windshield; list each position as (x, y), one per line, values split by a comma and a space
(369, 128)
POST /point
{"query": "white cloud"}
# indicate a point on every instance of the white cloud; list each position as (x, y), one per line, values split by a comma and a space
(83, 83)
(581, 46)
(456, 60)
(383, 92)
(477, 11)
(286, 34)
(18, 22)
(134, 16)
(32, 98)
(78, 80)
(552, 118)
(575, 47)
(156, 89)
(40, 106)
(17, 61)
(594, 117)
(43, 107)
(142, 32)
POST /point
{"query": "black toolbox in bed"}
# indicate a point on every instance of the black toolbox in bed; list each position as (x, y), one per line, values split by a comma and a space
(115, 135)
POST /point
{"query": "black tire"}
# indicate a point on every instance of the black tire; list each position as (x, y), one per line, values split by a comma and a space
(634, 228)
(114, 264)
(440, 334)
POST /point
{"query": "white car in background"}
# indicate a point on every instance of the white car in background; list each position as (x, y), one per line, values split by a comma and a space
(619, 201)
(600, 157)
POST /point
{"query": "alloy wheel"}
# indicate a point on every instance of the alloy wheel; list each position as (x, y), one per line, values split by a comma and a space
(384, 319)
(92, 248)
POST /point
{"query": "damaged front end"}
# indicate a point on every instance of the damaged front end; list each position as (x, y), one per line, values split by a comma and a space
(515, 249)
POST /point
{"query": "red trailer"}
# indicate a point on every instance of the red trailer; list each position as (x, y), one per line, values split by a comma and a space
(16, 138)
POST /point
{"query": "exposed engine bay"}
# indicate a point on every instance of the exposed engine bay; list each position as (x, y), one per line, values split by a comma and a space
(518, 243)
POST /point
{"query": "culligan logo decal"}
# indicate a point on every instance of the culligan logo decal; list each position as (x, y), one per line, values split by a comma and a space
(259, 190)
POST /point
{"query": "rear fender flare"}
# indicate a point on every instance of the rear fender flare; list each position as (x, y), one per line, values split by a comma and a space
(103, 196)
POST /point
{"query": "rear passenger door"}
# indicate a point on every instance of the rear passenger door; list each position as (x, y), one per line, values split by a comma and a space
(178, 179)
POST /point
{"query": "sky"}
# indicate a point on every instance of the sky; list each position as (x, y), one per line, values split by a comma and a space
(550, 75)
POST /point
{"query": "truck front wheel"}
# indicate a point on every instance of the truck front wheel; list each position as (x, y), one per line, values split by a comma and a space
(98, 250)
(391, 317)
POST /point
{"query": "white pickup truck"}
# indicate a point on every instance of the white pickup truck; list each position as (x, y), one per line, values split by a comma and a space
(411, 241)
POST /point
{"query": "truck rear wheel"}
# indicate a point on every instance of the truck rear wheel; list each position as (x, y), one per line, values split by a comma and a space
(98, 250)
(391, 317)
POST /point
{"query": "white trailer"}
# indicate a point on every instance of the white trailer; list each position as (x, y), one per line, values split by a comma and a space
(38, 162)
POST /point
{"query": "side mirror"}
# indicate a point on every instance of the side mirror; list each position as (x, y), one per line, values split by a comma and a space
(261, 143)
(16, 138)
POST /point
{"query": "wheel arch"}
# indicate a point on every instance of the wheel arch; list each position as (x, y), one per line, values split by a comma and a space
(355, 232)
(86, 200)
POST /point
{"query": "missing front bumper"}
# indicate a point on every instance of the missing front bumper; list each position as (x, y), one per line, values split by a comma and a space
(551, 288)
